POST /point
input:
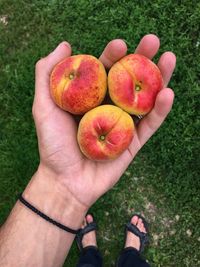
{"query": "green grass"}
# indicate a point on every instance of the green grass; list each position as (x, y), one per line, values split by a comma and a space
(163, 181)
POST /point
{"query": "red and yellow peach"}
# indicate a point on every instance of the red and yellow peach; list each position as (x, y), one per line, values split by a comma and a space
(78, 83)
(105, 132)
(133, 84)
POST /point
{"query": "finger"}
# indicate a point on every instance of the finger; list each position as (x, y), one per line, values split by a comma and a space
(149, 124)
(166, 64)
(114, 50)
(44, 67)
(148, 46)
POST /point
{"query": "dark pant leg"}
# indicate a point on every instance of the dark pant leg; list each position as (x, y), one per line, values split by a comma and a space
(90, 257)
(130, 257)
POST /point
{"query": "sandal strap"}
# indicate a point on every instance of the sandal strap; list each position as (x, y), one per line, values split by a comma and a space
(144, 239)
(88, 228)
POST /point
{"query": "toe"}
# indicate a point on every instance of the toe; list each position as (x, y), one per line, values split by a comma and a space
(143, 229)
(134, 220)
(83, 223)
(139, 224)
(89, 218)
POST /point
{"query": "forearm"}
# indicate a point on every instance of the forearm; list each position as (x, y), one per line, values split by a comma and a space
(27, 239)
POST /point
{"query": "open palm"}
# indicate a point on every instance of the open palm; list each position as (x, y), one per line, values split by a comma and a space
(87, 180)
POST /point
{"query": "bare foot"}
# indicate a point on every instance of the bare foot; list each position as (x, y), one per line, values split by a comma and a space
(89, 239)
(131, 239)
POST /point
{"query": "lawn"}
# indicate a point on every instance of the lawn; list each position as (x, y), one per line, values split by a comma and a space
(163, 181)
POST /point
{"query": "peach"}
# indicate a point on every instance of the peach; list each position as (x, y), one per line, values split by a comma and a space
(133, 84)
(78, 83)
(105, 132)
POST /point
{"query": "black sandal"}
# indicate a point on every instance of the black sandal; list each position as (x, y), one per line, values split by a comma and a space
(88, 228)
(144, 237)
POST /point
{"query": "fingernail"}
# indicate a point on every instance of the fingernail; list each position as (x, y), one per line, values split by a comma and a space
(66, 44)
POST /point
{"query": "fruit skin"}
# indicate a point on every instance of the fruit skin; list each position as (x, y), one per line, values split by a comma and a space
(105, 132)
(133, 84)
(78, 83)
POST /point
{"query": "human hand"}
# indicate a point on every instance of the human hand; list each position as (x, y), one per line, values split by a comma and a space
(84, 179)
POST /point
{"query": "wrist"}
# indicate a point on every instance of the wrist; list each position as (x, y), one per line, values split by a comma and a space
(46, 194)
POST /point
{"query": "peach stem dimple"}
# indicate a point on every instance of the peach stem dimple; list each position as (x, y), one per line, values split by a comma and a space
(137, 87)
(71, 76)
(102, 137)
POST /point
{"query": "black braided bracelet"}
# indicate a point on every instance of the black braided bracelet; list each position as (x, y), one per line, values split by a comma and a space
(47, 218)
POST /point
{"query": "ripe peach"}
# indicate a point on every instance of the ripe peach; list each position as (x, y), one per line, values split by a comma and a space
(105, 132)
(78, 83)
(133, 83)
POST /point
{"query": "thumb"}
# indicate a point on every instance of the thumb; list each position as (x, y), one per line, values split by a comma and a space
(44, 67)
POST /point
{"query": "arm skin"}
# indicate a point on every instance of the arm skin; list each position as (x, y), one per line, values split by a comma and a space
(66, 183)
(28, 240)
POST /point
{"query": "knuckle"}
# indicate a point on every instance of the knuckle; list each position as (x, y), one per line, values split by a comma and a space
(40, 63)
(34, 110)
